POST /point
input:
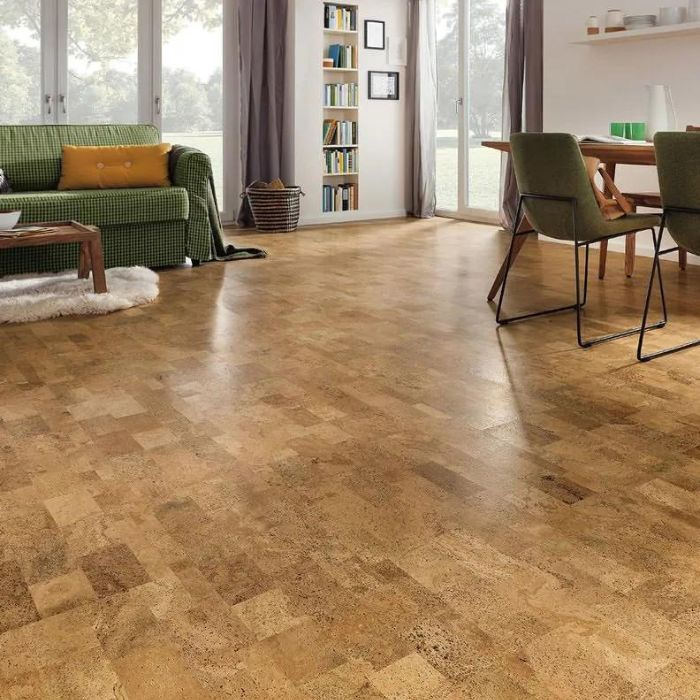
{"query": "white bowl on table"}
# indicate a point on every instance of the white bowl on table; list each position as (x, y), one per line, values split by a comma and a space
(9, 219)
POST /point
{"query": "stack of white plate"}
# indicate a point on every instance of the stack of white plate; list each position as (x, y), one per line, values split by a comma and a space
(640, 21)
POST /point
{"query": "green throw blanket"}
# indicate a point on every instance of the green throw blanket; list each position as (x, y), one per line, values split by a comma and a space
(221, 250)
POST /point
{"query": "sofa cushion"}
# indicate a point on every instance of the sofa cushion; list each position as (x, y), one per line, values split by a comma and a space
(31, 154)
(101, 207)
(111, 167)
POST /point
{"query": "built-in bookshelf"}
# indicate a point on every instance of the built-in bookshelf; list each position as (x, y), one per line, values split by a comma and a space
(340, 134)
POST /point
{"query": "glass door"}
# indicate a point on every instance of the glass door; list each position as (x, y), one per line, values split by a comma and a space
(471, 60)
(21, 96)
(101, 81)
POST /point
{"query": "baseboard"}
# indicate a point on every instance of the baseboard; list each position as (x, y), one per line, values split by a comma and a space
(351, 216)
(644, 246)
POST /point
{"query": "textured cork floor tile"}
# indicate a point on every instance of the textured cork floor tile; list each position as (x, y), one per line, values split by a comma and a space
(62, 593)
(328, 475)
(16, 605)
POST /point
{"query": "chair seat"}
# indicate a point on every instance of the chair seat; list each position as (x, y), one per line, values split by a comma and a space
(101, 207)
(651, 200)
(631, 223)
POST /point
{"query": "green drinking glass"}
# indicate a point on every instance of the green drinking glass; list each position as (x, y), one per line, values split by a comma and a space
(617, 129)
(637, 131)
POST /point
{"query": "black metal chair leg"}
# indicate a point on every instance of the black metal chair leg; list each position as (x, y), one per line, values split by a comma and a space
(509, 259)
(610, 336)
(656, 269)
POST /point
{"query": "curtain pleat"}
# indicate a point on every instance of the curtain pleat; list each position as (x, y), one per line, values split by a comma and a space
(422, 106)
(522, 88)
(263, 68)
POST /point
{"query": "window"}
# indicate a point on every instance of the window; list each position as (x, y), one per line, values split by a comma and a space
(151, 61)
(192, 92)
(20, 53)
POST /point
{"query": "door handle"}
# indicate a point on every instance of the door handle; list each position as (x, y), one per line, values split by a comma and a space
(49, 103)
(64, 103)
(458, 103)
(158, 105)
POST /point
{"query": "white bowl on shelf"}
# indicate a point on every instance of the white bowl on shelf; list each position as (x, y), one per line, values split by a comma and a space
(9, 219)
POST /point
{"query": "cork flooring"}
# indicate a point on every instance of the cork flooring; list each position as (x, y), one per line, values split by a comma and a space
(328, 475)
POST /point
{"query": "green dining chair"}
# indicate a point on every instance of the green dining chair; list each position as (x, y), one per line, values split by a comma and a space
(557, 198)
(678, 163)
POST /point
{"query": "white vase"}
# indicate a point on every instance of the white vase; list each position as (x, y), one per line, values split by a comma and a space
(661, 114)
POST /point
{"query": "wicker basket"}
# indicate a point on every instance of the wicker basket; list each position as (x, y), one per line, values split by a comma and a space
(274, 211)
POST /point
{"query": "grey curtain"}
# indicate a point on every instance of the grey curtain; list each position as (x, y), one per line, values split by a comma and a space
(263, 74)
(523, 87)
(422, 106)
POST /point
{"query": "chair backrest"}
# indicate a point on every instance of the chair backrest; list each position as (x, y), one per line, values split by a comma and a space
(552, 164)
(692, 128)
(31, 155)
(678, 163)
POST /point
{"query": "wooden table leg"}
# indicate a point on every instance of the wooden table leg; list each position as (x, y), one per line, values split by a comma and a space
(682, 258)
(602, 260)
(84, 261)
(517, 247)
(98, 267)
(630, 249)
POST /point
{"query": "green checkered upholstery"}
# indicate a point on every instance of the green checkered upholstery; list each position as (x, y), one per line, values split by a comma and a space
(31, 155)
(102, 207)
(142, 226)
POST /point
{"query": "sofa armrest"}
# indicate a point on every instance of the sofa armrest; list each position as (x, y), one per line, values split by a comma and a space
(191, 168)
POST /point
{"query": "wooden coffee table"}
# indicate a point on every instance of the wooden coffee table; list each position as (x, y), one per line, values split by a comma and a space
(69, 232)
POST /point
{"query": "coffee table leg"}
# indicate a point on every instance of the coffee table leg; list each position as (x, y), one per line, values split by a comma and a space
(98, 267)
(84, 261)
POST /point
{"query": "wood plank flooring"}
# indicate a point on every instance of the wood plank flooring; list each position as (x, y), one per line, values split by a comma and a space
(329, 475)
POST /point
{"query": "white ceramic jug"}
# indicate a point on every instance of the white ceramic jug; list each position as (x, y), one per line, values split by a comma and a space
(661, 111)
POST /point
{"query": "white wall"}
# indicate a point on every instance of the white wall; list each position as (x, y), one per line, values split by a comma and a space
(382, 124)
(587, 87)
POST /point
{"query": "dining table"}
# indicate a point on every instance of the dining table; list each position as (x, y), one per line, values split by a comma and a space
(610, 155)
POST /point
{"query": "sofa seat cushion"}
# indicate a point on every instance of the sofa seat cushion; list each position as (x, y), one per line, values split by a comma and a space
(101, 207)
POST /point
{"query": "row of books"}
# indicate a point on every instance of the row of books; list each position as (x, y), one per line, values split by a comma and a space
(343, 56)
(341, 95)
(344, 18)
(340, 162)
(339, 197)
(339, 133)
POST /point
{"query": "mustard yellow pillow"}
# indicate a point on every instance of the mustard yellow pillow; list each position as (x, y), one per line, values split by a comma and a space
(107, 167)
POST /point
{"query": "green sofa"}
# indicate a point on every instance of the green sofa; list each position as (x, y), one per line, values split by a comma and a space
(150, 226)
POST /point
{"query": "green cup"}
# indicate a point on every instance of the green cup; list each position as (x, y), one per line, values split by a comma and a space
(637, 131)
(617, 129)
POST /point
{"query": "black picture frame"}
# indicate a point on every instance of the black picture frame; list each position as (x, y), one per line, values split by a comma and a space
(375, 45)
(392, 79)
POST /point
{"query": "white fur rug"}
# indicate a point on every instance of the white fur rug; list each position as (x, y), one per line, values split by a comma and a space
(36, 297)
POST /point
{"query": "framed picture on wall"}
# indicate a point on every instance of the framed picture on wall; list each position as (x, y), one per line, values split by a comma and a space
(383, 85)
(375, 35)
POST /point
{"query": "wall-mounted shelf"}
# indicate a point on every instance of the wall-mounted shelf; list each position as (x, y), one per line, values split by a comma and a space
(341, 174)
(345, 108)
(670, 31)
(336, 146)
(341, 70)
(340, 31)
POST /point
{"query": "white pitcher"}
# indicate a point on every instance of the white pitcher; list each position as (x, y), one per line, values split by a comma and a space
(661, 112)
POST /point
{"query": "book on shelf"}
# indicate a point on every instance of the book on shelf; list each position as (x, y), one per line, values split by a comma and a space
(341, 161)
(342, 18)
(339, 133)
(340, 95)
(343, 56)
(339, 197)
